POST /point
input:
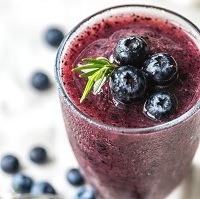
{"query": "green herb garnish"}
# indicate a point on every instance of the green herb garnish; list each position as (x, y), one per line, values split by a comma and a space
(97, 71)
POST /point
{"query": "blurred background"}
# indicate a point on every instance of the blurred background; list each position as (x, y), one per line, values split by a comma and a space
(29, 117)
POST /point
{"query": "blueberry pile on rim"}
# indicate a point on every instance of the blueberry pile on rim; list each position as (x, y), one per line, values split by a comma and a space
(136, 69)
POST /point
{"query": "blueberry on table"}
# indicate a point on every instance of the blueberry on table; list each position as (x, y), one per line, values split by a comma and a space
(85, 193)
(9, 164)
(42, 188)
(160, 105)
(74, 177)
(22, 183)
(161, 68)
(38, 155)
(40, 81)
(131, 50)
(54, 37)
(128, 84)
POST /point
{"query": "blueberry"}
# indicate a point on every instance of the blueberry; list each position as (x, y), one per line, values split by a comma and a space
(22, 183)
(40, 81)
(54, 37)
(9, 164)
(42, 188)
(75, 177)
(128, 84)
(161, 105)
(85, 193)
(162, 69)
(131, 50)
(38, 155)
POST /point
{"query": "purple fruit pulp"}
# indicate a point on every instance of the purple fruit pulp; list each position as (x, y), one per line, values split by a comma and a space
(131, 165)
(161, 36)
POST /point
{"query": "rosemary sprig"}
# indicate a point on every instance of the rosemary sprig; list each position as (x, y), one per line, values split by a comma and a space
(97, 71)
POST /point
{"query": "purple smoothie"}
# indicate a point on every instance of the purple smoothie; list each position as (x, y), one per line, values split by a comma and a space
(121, 152)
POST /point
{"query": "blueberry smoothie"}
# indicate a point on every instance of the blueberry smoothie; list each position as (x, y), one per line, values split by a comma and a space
(136, 136)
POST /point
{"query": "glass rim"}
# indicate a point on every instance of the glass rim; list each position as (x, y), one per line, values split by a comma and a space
(67, 100)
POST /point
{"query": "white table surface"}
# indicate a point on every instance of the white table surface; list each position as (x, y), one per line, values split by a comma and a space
(29, 118)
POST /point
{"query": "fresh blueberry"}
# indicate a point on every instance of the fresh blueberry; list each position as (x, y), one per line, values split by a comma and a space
(22, 183)
(54, 37)
(85, 193)
(75, 177)
(128, 84)
(40, 81)
(162, 69)
(9, 164)
(38, 155)
(42, 188)
(161, 105)
(131, 50)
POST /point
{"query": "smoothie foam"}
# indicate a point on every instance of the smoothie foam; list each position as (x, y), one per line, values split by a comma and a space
(100, 39)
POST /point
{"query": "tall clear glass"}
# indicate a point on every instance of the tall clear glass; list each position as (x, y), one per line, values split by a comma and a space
(139, 163)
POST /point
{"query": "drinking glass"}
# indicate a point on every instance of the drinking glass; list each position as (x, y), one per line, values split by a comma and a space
(139, 163)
